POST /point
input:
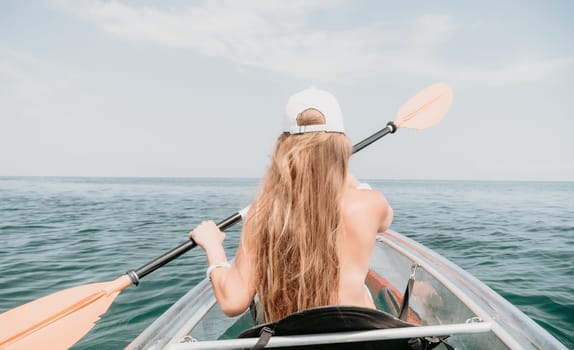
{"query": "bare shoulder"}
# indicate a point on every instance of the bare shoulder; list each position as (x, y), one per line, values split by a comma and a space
(366, 199)
(370, 205)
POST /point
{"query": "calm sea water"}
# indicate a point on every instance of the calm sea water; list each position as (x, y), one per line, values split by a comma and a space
(55, 233)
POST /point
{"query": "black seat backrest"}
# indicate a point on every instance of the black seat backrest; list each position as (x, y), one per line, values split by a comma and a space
(330, 319)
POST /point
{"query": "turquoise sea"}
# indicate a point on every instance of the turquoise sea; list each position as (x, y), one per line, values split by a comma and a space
(55, 233)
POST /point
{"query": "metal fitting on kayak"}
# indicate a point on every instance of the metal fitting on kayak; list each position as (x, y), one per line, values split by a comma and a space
(414, 268)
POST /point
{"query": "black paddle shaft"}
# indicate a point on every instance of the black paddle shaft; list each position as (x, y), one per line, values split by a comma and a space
(155, 264)
(390, 128)
(136, 275)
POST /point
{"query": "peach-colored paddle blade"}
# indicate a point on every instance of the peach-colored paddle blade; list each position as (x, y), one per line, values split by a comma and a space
(59, 320)
(426, 108)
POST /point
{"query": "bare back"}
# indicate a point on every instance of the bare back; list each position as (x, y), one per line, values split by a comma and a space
(364, 214)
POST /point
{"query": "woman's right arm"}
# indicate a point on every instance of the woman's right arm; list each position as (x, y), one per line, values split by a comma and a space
(378, 200)
(384, 210)
(387, 216)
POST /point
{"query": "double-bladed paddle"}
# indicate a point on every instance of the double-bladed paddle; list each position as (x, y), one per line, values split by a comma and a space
(62, 318)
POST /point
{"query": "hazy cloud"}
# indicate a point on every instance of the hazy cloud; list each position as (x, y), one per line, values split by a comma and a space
(280, 36)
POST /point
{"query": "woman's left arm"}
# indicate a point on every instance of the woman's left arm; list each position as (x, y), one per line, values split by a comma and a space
(232, 284)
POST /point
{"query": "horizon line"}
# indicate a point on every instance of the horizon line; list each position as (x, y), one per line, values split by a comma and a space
(259, 178)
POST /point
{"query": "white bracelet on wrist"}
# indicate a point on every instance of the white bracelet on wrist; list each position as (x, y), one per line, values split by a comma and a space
(215, 266)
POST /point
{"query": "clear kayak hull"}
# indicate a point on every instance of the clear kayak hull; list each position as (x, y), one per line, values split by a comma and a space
(444, 299)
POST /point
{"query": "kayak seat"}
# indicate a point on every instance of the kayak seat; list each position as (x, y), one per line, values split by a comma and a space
(331, 319)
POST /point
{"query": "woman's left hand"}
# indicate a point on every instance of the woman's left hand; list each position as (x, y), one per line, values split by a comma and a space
(207, 235)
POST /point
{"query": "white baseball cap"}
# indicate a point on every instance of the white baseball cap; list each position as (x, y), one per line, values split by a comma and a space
(320, 100)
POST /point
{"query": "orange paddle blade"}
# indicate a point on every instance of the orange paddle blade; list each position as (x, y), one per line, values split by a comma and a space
(58, 320)
(426, 108)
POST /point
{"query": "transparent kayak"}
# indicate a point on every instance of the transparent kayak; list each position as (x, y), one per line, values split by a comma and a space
(444, 300)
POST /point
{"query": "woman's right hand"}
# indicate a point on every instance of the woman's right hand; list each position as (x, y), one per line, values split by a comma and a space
(207, 235)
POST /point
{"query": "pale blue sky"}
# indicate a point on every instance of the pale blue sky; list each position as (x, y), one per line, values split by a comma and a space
(198, 88)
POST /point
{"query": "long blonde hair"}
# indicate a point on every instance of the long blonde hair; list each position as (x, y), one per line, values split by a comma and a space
(296, 226)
